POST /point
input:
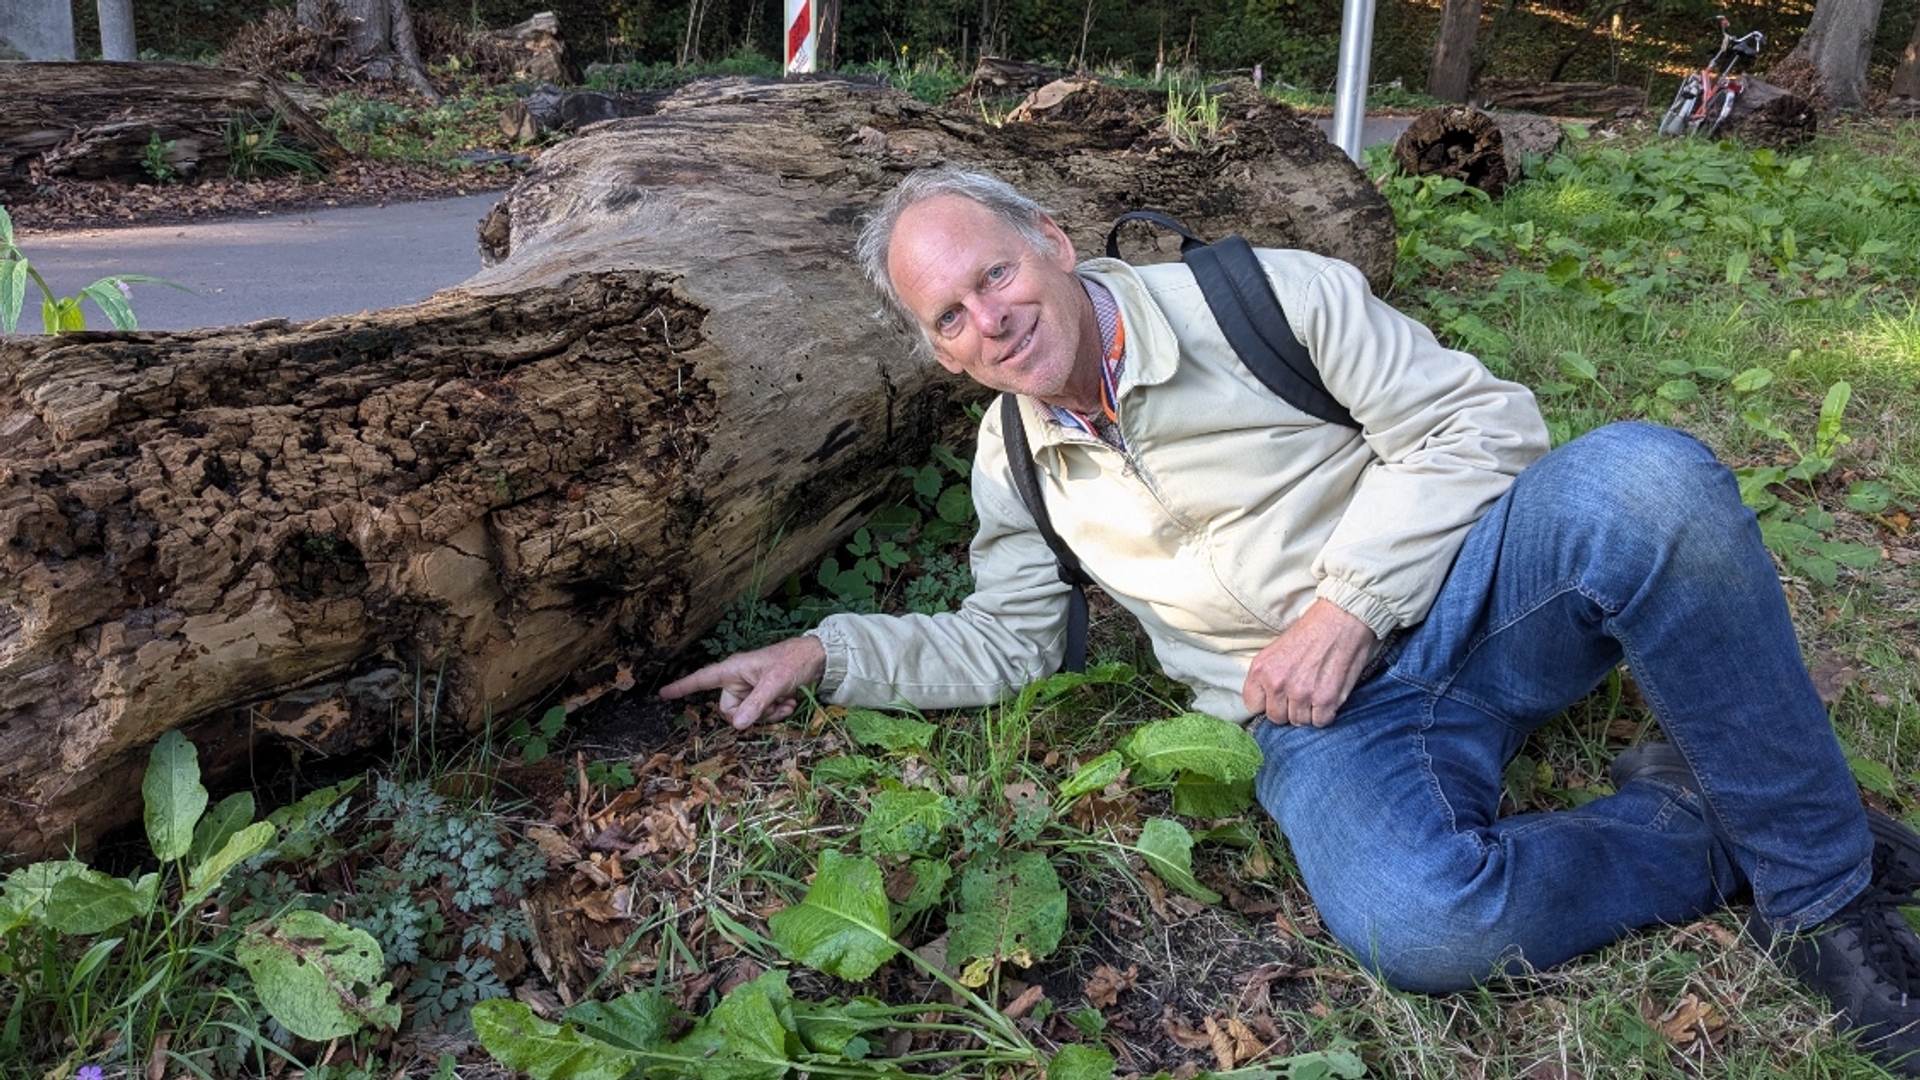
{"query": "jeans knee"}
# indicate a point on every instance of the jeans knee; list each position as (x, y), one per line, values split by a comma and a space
(1432, 949)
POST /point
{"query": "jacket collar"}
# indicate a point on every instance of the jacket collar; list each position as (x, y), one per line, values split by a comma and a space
(1153, 353)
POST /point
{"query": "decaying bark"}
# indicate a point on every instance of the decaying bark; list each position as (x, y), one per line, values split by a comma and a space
(1484, 150)
(1560, 98)
(95, 121)
(674, 388)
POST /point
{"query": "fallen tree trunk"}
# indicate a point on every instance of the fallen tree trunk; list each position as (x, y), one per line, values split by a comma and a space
(1484, 150)
(1560, 98)
(95, 121)
(673, 387)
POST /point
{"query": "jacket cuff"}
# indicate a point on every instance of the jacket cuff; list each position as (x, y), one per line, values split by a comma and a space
(1361, 605)
(837, 658)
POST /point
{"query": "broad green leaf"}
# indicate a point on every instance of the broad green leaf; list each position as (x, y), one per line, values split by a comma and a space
(1194, 742)
(930, 878)
(904, 822)
(173, 795)
(838, 1029)
(525, 1043)
(1869, 496)
(1573, 364)
(6, 227)
(298, 823)
(1872, 775)
(13, 293)
(91, 903)
(1765, 426)
(1012, 909)
(1168, 848)
(955, 505)
(228, 816)
(1737, 264)
(1058, 685)
(1817, 567)
(1563, 271)
(1847, 553)
(28, 888)
(1094, 775)
(636, 1021)
(241, 846)
(1752, 379)
(750, 1035)
(841, 926)
(106, 295)
(870, 727)
(1076, 1061)
(320, 979)
(1679, 390)
(1832, 411)
(1200, 796)
(844, 770)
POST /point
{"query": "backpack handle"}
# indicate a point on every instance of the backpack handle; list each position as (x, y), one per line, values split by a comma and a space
(1188, 241)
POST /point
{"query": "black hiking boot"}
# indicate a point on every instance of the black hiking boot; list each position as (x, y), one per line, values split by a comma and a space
(1866, 961)
(1866, 958)
(1896, 849)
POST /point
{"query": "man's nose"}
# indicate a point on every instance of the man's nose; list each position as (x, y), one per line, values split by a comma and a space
(988, 314)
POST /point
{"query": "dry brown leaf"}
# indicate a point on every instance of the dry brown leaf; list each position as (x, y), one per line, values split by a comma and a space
(1687, 1020)
(1220, 1041)
(1024, 1004)
(1181, 1033)
(1104, 988)
(553, 845)
(1831, 676)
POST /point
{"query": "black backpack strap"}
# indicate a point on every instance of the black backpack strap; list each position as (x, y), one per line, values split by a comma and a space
(1013, 431)
(1236, 288)
(1188, 241)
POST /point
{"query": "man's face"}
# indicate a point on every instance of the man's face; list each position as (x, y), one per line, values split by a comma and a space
(995, 309)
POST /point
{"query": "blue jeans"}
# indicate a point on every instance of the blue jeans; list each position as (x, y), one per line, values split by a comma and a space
(1629, 543)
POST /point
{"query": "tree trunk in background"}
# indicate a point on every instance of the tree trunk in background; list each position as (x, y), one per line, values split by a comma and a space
(380, 39)
(1906, 77)
(116, 30)
(829, 31)
(1452, 66)
(1837, 45)
(674, 386)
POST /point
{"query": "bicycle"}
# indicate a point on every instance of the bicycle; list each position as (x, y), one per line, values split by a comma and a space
(1705, 98)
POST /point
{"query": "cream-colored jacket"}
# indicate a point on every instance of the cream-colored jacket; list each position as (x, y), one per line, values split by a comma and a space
(1231, 511)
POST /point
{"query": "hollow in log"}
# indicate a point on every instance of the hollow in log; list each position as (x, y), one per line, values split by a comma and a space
(1484, 150)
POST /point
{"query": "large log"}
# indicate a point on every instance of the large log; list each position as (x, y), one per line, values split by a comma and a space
(1484, 150)
(674, 387)
(95, 121)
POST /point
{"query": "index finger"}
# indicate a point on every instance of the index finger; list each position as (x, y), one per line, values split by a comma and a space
(707, 678)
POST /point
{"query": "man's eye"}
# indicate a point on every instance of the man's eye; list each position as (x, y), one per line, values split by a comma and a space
(945, 320)
(998, 272)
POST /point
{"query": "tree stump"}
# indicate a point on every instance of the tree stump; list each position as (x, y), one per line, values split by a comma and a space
(1559, 98)
(1484, 150)
(1767, 115)
(673, 388)
(95, 121)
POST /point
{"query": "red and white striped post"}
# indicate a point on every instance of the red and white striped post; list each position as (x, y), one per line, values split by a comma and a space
(801, 39)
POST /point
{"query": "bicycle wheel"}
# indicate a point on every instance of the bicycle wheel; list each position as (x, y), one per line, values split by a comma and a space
(1675, 121)
(1714, 116)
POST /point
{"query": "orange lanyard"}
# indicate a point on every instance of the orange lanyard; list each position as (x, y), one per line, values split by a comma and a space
(1107, 388)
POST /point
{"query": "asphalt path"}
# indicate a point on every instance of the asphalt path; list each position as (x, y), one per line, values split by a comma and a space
(303, 265)
(297, 265)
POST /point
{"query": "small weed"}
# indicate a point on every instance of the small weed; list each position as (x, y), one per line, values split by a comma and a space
(157, 161)
(257, 149)
(1193, 121)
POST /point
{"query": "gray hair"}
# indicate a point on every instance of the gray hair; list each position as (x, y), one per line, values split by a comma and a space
(1024, 215)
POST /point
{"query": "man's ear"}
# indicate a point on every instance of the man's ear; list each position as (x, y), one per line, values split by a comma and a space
(1062, 255)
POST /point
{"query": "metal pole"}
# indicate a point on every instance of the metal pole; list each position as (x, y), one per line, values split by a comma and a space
(1350, 87)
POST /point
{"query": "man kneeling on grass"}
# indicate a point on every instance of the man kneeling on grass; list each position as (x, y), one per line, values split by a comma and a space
(1394, 607)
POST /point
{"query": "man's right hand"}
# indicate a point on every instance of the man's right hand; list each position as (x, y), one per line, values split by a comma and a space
(758, 685)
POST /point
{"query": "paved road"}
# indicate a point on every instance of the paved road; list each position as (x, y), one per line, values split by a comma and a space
(307, 265)
(295, 265)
